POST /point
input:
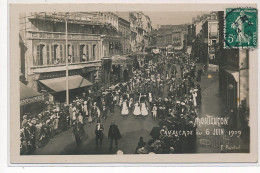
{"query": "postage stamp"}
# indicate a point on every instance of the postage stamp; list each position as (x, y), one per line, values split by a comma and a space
(241, 28)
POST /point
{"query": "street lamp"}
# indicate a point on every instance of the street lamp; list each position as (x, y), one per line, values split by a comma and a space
(66, 50)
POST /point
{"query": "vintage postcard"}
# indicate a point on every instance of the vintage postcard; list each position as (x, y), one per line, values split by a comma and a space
(133, 83)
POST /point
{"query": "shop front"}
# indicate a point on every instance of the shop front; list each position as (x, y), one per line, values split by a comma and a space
(30, 100)
(121, 68)
(57, 87)
(229, 91)
(139, 59)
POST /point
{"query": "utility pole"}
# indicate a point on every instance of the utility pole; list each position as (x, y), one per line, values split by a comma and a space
(67, 61)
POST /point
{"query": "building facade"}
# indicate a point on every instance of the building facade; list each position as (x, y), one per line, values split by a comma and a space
(124, 32)
(141, 27)
(206, 39)
(210, 36)
(174, 36)
(42, 45)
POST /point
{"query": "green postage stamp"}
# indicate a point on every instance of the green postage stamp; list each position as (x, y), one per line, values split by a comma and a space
(241, 28)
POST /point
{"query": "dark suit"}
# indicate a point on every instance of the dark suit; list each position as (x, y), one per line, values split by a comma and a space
(99, 134)
(76, 132)
(114, 134)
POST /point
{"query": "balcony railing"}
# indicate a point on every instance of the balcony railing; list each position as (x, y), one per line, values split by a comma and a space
(61, 66)
(61, 62)
(61, 35)
(72, 18)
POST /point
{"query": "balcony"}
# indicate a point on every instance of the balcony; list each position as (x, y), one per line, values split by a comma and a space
(43, 35)
(62, 67)
(77, 18)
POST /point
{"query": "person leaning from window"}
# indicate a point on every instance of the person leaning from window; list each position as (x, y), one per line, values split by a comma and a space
(84, 58)
(69, 59)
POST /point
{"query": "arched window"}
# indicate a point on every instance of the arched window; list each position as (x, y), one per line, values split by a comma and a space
(39, 56)
(94, 52)
(61, 53)
(48, 54)
(87, 52)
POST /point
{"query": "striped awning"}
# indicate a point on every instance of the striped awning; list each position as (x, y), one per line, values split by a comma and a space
(28, 95)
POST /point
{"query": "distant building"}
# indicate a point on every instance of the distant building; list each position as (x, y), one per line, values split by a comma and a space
(211, 36)
(124, 32)
(206, 38)
(172, 35)
(140, 29)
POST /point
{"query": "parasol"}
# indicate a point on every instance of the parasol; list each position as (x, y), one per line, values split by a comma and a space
(155, 132)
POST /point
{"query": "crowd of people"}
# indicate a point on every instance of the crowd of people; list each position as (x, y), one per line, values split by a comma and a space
(172, 95)
(166, 88)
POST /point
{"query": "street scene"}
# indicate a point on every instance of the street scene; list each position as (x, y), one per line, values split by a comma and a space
(94, 83)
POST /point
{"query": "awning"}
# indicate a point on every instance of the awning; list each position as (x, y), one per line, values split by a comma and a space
(235, 74)
(28, 95)
(59, 84)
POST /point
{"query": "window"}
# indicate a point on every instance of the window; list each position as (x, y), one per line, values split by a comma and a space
(81, 52)
(48, 55)
(94, 52)
(73, 52)
(52, 54)
(214, 41)
(87, 52)
(61, 53)
(54, 49)
(68, 49)
(39, 58)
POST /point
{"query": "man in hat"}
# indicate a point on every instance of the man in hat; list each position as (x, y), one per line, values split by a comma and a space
(99, 132)
(114, 134)
(77, 132)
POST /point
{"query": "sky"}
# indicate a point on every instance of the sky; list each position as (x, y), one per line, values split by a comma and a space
(172, 18)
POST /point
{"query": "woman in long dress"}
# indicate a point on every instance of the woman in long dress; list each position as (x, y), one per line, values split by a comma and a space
(194, 94)
(137, 109)
(144, 110)
(85, 109)
(150, 98)
(124, 110)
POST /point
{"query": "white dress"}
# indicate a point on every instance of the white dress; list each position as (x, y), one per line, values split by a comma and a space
(150, 97)
(137, 109)
(144, 110)
(85, 109)
(124, 110)
(154, 111)
(194, 99)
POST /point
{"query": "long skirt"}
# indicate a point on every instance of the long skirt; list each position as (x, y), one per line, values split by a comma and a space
(144, 110)
(137, 110)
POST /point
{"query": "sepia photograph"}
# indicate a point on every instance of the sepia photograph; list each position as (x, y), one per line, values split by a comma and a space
(135, 82)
